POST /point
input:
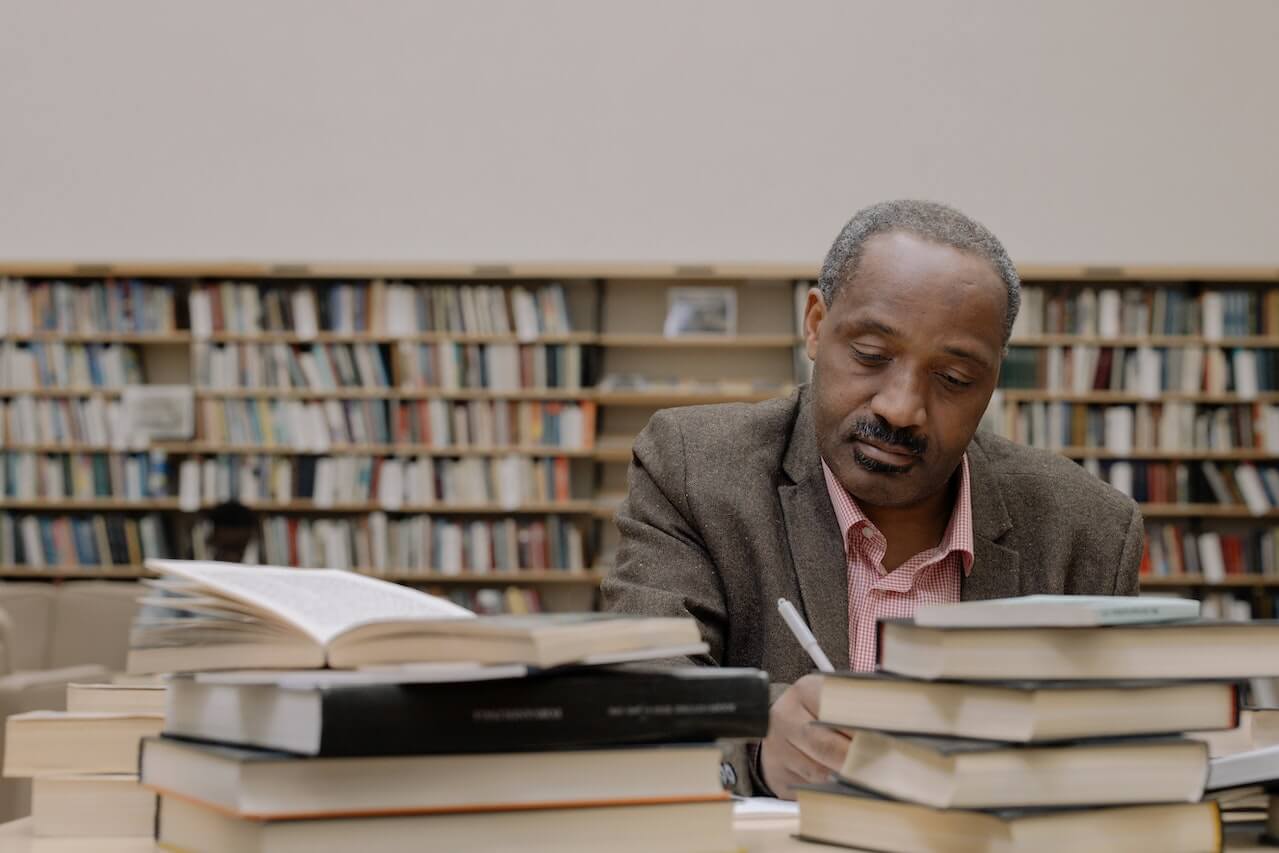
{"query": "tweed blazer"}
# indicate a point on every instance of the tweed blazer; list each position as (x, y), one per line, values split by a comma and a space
(727, 511)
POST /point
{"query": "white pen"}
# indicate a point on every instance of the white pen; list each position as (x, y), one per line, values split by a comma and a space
(806, 639)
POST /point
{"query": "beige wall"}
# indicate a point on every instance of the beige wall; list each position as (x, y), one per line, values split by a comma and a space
(1143, 131)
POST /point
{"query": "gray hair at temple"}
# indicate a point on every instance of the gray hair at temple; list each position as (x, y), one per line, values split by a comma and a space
(931, 221)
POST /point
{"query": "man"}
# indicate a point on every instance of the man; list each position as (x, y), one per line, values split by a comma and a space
(867, 492)
(233, 528)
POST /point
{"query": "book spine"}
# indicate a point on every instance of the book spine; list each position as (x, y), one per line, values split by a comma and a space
(522, 715)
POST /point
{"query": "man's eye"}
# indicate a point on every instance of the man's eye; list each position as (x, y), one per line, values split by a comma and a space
(954, 381)
(868, 357)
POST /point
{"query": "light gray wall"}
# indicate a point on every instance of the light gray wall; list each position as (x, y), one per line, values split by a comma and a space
(1142, 131)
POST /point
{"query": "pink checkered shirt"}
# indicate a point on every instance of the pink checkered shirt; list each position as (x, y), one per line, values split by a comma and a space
(929, 577)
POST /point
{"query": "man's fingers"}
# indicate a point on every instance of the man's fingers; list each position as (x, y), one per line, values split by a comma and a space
(824, 746)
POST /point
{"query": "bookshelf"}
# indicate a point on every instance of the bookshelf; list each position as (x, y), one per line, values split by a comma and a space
(1146, 376)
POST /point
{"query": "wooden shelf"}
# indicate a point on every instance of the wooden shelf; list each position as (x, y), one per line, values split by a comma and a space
(665, 398)
(1238, 455)
(177, 337)
(388, 338)
(1229, 582)
(1121, 397)
(699, 341)
(1164, 510)
(89, 504)
(74, 573)
(1049, 340)
(393, 394)
(60, 392)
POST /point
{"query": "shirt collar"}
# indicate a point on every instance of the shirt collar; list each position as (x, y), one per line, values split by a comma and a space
(959, 530)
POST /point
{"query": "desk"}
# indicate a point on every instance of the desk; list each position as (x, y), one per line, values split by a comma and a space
(755, 836)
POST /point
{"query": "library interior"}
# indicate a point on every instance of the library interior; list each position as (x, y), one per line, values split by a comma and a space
(571, 426)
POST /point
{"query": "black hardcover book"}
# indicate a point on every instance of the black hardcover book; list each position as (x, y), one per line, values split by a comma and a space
(573, 708)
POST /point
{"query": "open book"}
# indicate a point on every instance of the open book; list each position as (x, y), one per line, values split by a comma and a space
(210, 616)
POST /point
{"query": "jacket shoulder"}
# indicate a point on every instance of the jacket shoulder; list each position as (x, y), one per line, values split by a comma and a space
(1036, 474)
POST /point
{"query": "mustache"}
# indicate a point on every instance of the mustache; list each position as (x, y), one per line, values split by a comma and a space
(880, 432)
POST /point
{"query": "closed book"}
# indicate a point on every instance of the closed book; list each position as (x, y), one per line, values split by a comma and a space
(262, 785)
(1183, 650)
(1061, 610)
(1253, 767)
(580, 708)
(696, 827)
(963, 773)
(839, 814)
(1027, 711)
(116, 698)
(44, 743)
(91, 806)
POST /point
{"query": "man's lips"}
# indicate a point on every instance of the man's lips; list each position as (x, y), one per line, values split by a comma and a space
(899, 458)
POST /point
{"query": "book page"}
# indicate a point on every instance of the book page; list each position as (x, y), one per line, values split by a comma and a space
(322, 603)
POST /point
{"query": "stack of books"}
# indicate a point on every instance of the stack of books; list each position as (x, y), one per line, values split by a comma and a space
(1038, 726)
(83, 762)
(320, 710)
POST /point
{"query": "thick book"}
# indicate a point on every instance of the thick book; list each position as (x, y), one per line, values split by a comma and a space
(838, 814)
(571, 709)
(91, 805)
(261, 785)
(1178, 650)
(963, 773)
(1253, 767)
(116, 698)
(44, 743)
(226, 616)
(1027, 711)
(1057, 610)
(697, 827)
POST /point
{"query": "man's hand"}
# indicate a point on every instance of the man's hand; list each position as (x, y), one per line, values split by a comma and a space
(796, 752)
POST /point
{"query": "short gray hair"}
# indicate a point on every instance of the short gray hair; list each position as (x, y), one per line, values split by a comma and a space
(931, 221)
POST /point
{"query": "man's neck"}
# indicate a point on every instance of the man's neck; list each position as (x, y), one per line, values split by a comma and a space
(912, 529)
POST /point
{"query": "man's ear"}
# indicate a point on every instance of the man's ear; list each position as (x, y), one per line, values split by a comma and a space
(814, 313)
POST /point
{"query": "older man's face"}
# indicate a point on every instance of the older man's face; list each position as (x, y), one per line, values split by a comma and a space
(905, 361)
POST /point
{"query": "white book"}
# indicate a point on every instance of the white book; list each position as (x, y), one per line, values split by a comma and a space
(378, 540)
(1213, 322)
(1148, 373)
(1109, 303)
(525, 309)
(325, 483)
(201, 314)
(1192, 368)
(1057, 610)
(1254, 767)
(189, 485)
(390, 485)
(1119, 429)
(305, 322)
(1083, 364)
(31, 542)
(1212, 559)
(1216, 482)
(1121, 477)
(1254, 493)
(1245, 365)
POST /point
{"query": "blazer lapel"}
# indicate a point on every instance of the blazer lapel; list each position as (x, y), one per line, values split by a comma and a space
(812, 531)
(996, 571)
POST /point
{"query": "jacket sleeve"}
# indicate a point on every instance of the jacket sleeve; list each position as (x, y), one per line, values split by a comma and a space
(1127, 576)
(663, 566)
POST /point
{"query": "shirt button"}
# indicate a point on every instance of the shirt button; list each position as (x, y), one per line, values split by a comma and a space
(868, 533)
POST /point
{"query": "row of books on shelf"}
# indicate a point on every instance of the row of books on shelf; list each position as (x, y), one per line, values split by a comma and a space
(1133, 311)
(390, 482)
(61, 365)
(1145, 371)
(26, 420)
(84, 476)
(449, 366)
(1171, 426)
(319, 425)
(91, 541)
(423, 545)
(491, 601)
(1177, 549)
(1252, 486)
(113, 306)
(378, 307)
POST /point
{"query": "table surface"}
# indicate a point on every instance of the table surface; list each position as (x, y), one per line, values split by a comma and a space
(758, 835)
